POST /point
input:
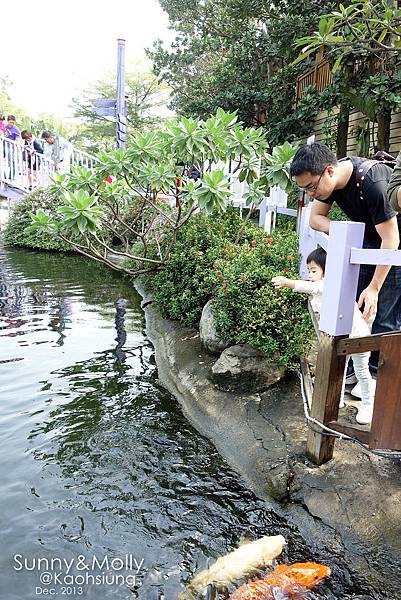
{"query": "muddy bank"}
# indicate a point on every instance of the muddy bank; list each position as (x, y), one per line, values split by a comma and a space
(351, 506)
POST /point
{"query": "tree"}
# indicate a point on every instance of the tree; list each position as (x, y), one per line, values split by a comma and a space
(128, 210)
(363, 41)
(236, 54)
(144, 94)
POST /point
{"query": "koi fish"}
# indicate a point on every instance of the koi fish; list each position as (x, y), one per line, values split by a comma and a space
(291, 580)
(240, 563)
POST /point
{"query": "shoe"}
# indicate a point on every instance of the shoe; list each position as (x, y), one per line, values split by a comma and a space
(342, 403)
(364, 415)
(356, 390)
(350, 378)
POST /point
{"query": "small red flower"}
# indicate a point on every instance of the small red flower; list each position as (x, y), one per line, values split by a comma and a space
(215, 265)
(285, 270)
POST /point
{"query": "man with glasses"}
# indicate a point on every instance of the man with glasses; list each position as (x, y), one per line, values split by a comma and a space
(317, 171)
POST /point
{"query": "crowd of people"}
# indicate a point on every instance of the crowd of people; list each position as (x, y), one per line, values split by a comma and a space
(52, 149)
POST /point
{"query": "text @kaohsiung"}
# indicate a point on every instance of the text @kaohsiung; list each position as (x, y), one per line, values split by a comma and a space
(83, 570)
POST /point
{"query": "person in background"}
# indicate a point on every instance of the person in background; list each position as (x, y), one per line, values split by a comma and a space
(57, 149)
(394, 186)
(32, 148)
(12, 133)
(316, 263)
(2, 125)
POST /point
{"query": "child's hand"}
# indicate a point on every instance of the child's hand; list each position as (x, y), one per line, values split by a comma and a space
(280, 282)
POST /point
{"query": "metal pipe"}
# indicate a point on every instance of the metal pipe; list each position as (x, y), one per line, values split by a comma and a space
(121, 120)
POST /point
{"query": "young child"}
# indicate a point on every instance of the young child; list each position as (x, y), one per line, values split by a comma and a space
(316, 263)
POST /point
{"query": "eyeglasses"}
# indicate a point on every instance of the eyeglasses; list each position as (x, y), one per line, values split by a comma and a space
(312, 187)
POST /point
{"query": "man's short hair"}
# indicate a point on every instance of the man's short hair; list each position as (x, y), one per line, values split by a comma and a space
(312, 158)
(47, 134)
(11, 118)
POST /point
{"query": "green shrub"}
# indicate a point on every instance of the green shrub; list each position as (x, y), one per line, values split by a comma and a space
(183, 287)
(206, 263)
(250, 310)
(15, 235)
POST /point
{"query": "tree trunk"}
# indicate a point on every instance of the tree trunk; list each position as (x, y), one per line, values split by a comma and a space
(383, 130)
(342, 130)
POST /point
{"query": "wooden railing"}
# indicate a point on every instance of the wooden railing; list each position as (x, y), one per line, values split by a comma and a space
(319, 77)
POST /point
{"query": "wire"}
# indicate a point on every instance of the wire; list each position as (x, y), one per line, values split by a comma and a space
(337, 434)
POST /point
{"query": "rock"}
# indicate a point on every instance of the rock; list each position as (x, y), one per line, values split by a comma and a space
(242, 368)
(208, 331)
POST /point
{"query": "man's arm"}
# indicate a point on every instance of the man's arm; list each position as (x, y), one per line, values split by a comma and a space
(319, 219)
(390, 237)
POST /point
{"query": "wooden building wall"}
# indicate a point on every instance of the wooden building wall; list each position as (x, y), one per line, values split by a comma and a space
(355, 118)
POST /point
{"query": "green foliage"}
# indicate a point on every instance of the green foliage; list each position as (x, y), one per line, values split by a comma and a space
(184, 286)
(128, 209)
(206, 263)
(19, 231)
(278, 166)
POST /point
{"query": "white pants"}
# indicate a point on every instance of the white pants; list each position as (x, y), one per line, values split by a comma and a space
(365, 380)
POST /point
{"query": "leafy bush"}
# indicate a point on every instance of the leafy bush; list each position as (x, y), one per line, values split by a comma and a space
(250, 310)
(20, 219)
(206, 263)
(183, 287)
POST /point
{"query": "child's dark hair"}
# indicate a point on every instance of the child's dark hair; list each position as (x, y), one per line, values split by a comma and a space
(11, 118)
(318, 256)
(26, 134)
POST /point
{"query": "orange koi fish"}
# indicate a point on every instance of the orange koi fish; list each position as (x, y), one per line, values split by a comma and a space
(292, 580)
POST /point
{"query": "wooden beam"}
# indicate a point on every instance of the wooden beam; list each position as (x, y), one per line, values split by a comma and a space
(326, 396)
(386, 423)
(363, 344)
(362, 436)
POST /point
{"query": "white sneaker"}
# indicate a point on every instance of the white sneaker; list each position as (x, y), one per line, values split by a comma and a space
(364, 415)
(342, 403)
(356, 390)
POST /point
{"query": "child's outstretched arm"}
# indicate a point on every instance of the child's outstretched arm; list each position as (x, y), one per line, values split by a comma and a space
(283, 282)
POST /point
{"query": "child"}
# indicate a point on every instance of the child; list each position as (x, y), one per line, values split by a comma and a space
(316, 263)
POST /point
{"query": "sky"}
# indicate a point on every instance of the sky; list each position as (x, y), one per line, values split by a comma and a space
(52, 49)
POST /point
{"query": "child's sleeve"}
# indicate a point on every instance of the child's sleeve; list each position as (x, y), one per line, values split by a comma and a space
(309, 287)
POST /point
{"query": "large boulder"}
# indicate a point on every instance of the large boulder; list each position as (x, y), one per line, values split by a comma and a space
(208, 331)
(242, 368)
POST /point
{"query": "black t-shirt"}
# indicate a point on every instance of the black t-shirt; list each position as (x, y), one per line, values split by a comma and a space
(374, 208)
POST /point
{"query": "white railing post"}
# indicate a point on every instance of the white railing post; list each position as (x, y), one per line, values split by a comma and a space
(307, 241)
(341, 278)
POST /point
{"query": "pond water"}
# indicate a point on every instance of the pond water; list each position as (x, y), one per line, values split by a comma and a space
(98, 461)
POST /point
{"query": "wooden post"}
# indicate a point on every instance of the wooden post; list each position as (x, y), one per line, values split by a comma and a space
(386, 422)
(326, 396)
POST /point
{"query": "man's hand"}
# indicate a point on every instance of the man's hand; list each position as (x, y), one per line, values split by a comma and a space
(368, 299)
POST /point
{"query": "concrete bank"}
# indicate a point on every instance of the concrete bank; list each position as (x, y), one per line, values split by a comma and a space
(351, 506)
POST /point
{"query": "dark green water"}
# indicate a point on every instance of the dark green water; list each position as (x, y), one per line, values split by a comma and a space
(98, 462)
